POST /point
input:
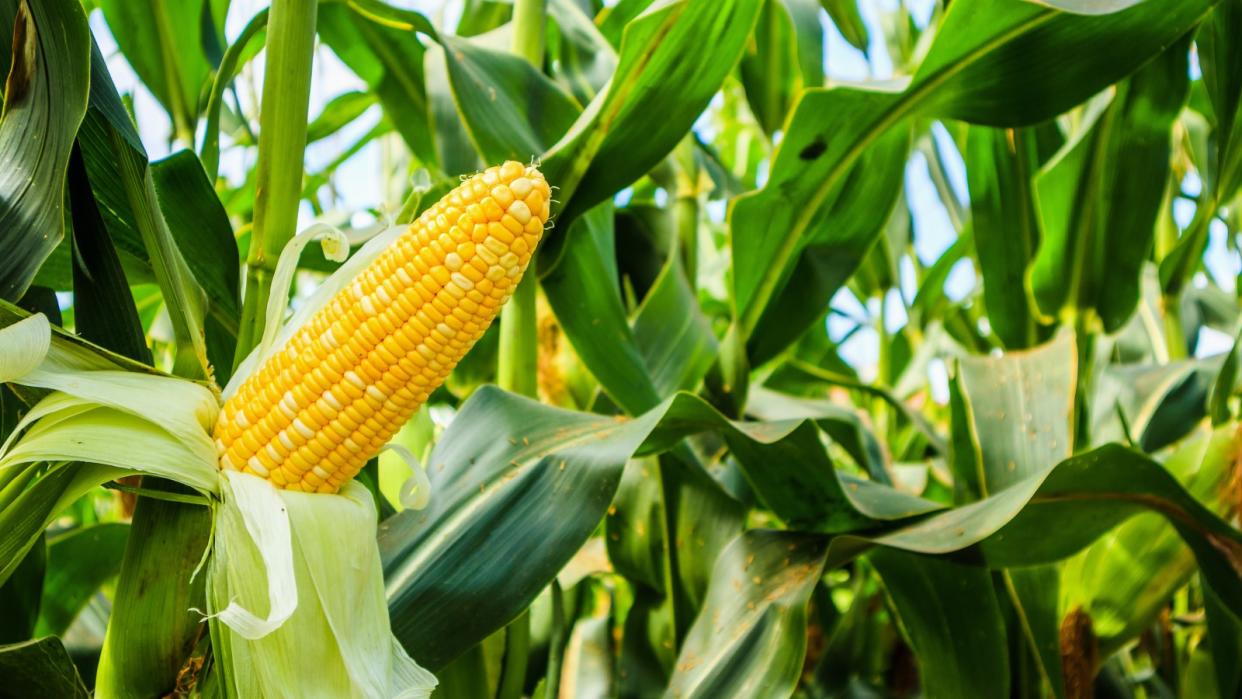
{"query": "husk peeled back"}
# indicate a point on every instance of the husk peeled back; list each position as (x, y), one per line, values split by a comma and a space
(98, 414)
(337, 642)
(295, 592)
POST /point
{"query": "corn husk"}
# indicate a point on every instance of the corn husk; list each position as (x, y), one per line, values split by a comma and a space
(296, 600)
(337, 641)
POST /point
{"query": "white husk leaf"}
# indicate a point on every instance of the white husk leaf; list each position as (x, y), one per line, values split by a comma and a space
(24, 344)
(416, 490)
(253, 512)
(112, 438)
(296, 592)
(335, 247)
(135, 423)
(338, 641)
(342, 277)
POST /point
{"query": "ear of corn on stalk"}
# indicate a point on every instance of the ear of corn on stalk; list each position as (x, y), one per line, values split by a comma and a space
(308, 409)
(322, 405)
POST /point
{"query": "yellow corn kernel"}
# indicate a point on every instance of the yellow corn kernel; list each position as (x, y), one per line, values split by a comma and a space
(359, 368)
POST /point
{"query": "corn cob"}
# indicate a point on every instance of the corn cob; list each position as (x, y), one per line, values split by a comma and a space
(319, 408)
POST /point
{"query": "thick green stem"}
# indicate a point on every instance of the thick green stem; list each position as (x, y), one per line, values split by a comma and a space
(686, 219)
(686, 208)
(884, 370)
(517, 652)
(556, 644)
(152, 631)
(518, 326)
(517, 370)
(528, 16)
(518, 365)
(1174, 334)
(282, 140)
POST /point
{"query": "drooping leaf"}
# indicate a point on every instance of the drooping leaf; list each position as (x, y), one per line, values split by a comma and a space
(390, 61)
(672, 333)
(446, 590)
(435, 559)
(845, 15)
(1099, 198)
(337, 113)
(44, 101)
(750, 638)
(769, 67)
(104, 310)
(810, 40)
(1124, 579)
(1154, 405)
(1043, 67)
(511, 111)
(672, 61)
(481, 16)
(121, 180)
(584, 293)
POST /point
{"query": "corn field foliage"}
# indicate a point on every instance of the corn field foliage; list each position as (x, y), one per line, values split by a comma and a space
(752, 429)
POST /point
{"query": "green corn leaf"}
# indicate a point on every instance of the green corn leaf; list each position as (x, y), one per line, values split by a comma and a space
(672, 60)
(960, 638)
(44, 102)
(164, 44)
(40, 668)
(1123, 580)
(79, 562)
(750, 638)
(390, 61)
(969, 73)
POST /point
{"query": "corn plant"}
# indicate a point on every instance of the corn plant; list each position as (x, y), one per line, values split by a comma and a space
(620, 348)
